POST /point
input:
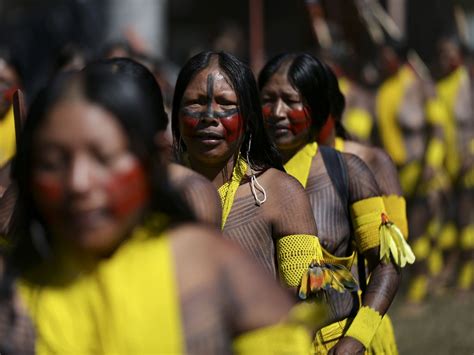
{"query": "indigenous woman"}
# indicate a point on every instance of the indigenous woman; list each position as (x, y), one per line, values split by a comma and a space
(296, 106)
(218, 131)
(106, 259)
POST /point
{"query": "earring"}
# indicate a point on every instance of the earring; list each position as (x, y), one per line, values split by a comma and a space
(254, 184)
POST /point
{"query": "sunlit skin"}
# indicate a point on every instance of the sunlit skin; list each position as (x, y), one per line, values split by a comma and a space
(209, 119)
(86, 183)
(287, 118)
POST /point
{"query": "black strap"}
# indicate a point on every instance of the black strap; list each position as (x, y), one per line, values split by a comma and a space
(337, 171)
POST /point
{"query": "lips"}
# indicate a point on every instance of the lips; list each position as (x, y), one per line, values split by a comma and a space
(86, 219)
(209, 136)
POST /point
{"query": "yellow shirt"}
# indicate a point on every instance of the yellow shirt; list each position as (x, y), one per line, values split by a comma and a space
(127, 304)
(7, 137)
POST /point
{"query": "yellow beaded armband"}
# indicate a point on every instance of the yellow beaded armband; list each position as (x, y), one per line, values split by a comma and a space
(301, 263)
(397, 211)
(365, 325)
(277, 339)
(374, 228)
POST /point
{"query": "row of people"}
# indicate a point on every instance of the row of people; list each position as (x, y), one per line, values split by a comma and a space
(102, 236)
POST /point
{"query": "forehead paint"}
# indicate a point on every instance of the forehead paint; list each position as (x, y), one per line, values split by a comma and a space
(300, 120)
(127, 191)
(230, 118)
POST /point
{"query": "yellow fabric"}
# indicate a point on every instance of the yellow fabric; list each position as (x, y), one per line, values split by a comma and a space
(435, 262)
(418, 289)
(365, 325)
(466, 276)
(228, 190)
(279, 339)
(388, 101)
(358, 122)
(448, 89)
(300, 164)
(294, 254)
(383, 341)
(409, 175)
(447, 238)
(339, 144)
(436, 111)
(435, 153)
(127, 304)
(345, 261)
(467, 180)
(467, 238)
(7, 137)
(344, 85)
(366, 219)
(396, 211)
(422, 247)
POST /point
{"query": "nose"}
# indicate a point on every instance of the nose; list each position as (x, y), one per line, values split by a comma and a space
(279, 109)
(209, 116)
(79, 179)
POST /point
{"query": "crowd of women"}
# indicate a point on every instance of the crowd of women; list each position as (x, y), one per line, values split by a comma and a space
(260, 227)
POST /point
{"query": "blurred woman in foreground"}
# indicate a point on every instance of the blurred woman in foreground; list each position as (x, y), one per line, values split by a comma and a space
(108, 258)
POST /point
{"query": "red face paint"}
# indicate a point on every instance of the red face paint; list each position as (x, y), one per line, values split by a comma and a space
(49, 193)
(326, 130)
(128, 191)
(300, 120)
(234, 127)
(8, 94)
(189, 125)
(267, 112)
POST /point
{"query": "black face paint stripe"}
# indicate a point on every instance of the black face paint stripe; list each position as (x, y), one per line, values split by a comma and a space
(211, 114)
(210, 94)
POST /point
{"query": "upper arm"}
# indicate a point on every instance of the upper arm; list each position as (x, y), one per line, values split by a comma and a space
(362, 182)
(291, 209)
(256, 299)
(385, 172)
(202, 197)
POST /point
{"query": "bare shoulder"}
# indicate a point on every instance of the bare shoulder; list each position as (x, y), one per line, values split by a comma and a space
(281, 182)
(374, 157)
(200, 194)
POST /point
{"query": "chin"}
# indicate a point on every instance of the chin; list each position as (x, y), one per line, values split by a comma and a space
(96, 243)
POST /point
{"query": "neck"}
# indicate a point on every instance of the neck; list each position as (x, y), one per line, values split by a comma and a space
(287, 154)
(218, 174)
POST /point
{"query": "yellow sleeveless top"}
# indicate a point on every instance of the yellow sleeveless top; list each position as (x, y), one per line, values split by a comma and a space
(7, 137)
(127, 304)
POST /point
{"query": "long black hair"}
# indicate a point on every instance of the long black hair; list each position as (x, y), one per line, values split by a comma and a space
(140, 74)
(134, 109)
(337, 101)
(306, 75)
(263, 153)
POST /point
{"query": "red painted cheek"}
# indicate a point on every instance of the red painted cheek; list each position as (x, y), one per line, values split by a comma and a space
(128, 191)
(189, 125)
(300, 120)
(267, 112)
(49, 194)
(234, 127)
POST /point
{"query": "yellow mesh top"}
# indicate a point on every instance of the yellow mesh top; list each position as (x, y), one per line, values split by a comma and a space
(7, 137)
(127, 304)
(397, 213)
(294, 254)
(228, 190)
(366, 219)
(300, 164)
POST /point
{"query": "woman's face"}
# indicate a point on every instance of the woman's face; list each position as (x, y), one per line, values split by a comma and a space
(86, 183)
(209, 118)
(287, 119)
